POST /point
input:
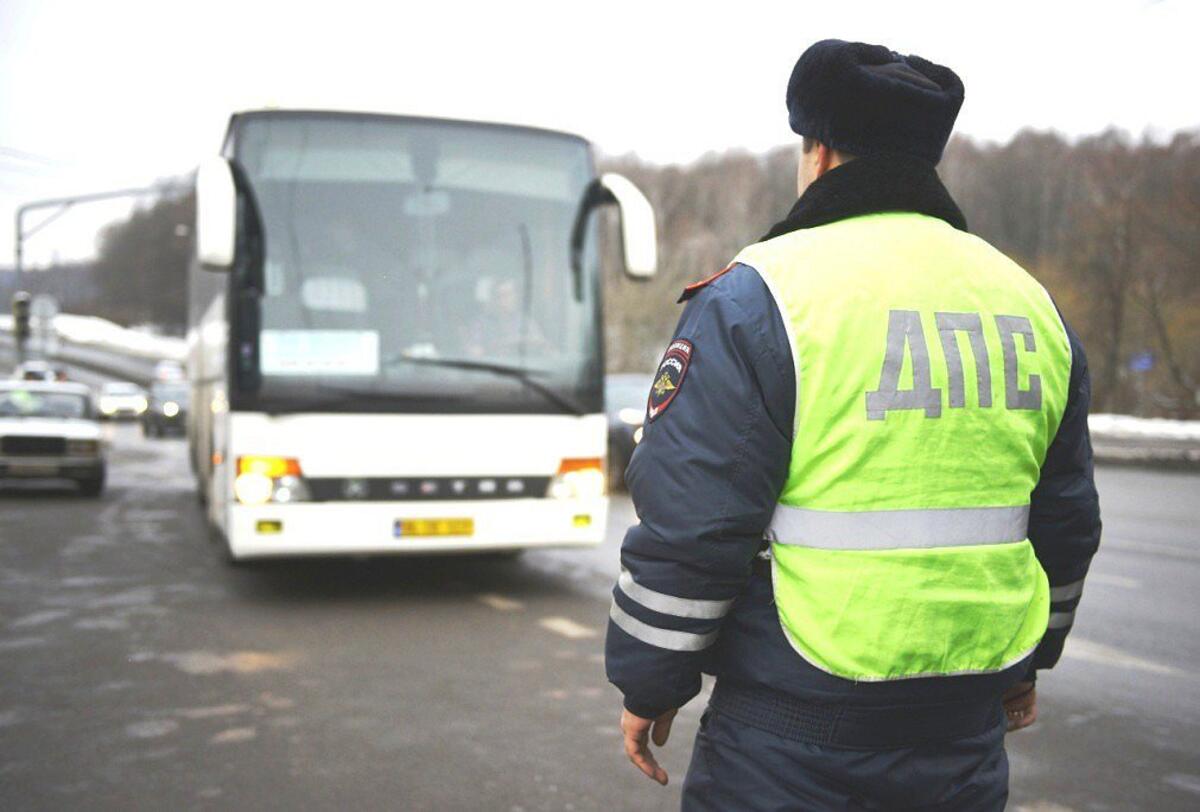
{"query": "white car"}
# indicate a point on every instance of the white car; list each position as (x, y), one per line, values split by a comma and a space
(119, 399)
(50, 431)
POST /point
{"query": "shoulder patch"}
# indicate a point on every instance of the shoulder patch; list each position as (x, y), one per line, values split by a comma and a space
(669, 377)
(695, 287)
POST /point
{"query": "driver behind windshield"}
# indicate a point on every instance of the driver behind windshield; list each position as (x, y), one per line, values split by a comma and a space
(504, 327)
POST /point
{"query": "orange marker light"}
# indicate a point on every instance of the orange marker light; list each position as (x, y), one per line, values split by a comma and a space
(273, 467)
(580, 464)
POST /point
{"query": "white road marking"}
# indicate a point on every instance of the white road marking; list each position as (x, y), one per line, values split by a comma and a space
(211, 712)
(499, 602)
(1086, 650)
(38, 618)
(1044, 806)
(276, 702)
(567, 628)
(1113, 580)
(1183, 781)
(237, 662)
(151, 729)
(234, 734)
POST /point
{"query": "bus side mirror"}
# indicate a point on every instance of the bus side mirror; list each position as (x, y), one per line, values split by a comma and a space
(639, 237)
(216, 215)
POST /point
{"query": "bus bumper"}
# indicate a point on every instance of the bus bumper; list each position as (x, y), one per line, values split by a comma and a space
(360, 528)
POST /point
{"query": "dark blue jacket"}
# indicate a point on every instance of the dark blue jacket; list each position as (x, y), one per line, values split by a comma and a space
(694, 595)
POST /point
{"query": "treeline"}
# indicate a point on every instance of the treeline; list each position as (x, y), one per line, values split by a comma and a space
(1109, 225)
(140, 272)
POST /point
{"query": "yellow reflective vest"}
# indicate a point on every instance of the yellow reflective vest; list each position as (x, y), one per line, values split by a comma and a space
(931, 374)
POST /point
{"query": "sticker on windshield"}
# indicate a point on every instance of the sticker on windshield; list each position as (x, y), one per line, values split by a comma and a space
(319, 352)
(669, 377)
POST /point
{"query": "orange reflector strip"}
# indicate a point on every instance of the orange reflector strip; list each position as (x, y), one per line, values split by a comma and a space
(580, 464)
(582, 520)
(273, 467)
(268, 526)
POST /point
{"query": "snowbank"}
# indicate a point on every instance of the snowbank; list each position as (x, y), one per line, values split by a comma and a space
(94, 331)
(100, 333)
(1125, 427)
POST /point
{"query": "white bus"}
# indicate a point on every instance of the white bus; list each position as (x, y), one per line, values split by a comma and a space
(395, 335)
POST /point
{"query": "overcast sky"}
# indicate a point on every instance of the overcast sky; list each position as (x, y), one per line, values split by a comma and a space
(97, 95)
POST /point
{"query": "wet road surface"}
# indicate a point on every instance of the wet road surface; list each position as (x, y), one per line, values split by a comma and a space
(139, 670)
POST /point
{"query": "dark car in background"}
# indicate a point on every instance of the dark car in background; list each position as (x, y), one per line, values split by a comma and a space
(625, 396)
(166, 409)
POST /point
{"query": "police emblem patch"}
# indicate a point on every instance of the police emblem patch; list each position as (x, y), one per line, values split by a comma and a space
(669, 377)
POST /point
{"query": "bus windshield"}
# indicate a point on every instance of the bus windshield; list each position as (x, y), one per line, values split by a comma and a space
(392, 244)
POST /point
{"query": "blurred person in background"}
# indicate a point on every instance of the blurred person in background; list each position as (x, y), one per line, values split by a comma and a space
(865, 484)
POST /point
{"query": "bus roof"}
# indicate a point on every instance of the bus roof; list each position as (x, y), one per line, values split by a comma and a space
(368, 114)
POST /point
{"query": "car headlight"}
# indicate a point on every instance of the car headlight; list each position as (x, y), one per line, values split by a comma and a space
(578, 479)
(631, 417)
(107, 406)
(83, 448)
(170, 408)
(140, 405)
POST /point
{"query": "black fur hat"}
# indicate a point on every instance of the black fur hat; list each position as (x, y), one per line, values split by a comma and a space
(863, 99)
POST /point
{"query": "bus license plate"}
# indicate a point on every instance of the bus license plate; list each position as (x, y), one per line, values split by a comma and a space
(405, 528)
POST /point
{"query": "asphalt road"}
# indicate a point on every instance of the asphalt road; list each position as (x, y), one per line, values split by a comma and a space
(139, 671)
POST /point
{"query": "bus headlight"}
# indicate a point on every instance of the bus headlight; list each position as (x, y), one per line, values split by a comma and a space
(170, 408)
(289, 489)
(631, 417)
(269, 479)
(253, 488)
(578, 479)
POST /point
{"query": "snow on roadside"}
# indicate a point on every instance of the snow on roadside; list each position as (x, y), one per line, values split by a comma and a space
(1126, 427)
(96, 331)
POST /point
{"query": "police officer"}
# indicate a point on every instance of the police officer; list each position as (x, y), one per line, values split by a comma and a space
(865, 486)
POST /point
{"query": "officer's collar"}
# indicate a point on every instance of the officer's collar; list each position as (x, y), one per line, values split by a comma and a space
(870, 185)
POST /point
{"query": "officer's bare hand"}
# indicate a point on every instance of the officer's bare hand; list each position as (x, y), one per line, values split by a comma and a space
(638, 732)
(1020, 705)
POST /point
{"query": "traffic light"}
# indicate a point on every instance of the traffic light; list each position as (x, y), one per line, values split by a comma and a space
(20, 312)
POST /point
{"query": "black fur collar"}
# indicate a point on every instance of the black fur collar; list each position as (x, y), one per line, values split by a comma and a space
(876, 183)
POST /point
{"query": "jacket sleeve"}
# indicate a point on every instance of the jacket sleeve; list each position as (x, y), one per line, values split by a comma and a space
(1064, 512)
(704, 481)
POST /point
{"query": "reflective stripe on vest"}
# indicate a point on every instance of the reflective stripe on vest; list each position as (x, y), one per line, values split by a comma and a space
(897, 529)
(931, 376)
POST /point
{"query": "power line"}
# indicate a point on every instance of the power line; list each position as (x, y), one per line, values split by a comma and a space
(22, 155)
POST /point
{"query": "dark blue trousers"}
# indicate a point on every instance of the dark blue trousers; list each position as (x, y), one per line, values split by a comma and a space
(739, 768)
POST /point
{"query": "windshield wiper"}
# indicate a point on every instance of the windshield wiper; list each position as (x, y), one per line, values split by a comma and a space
(522, 374)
